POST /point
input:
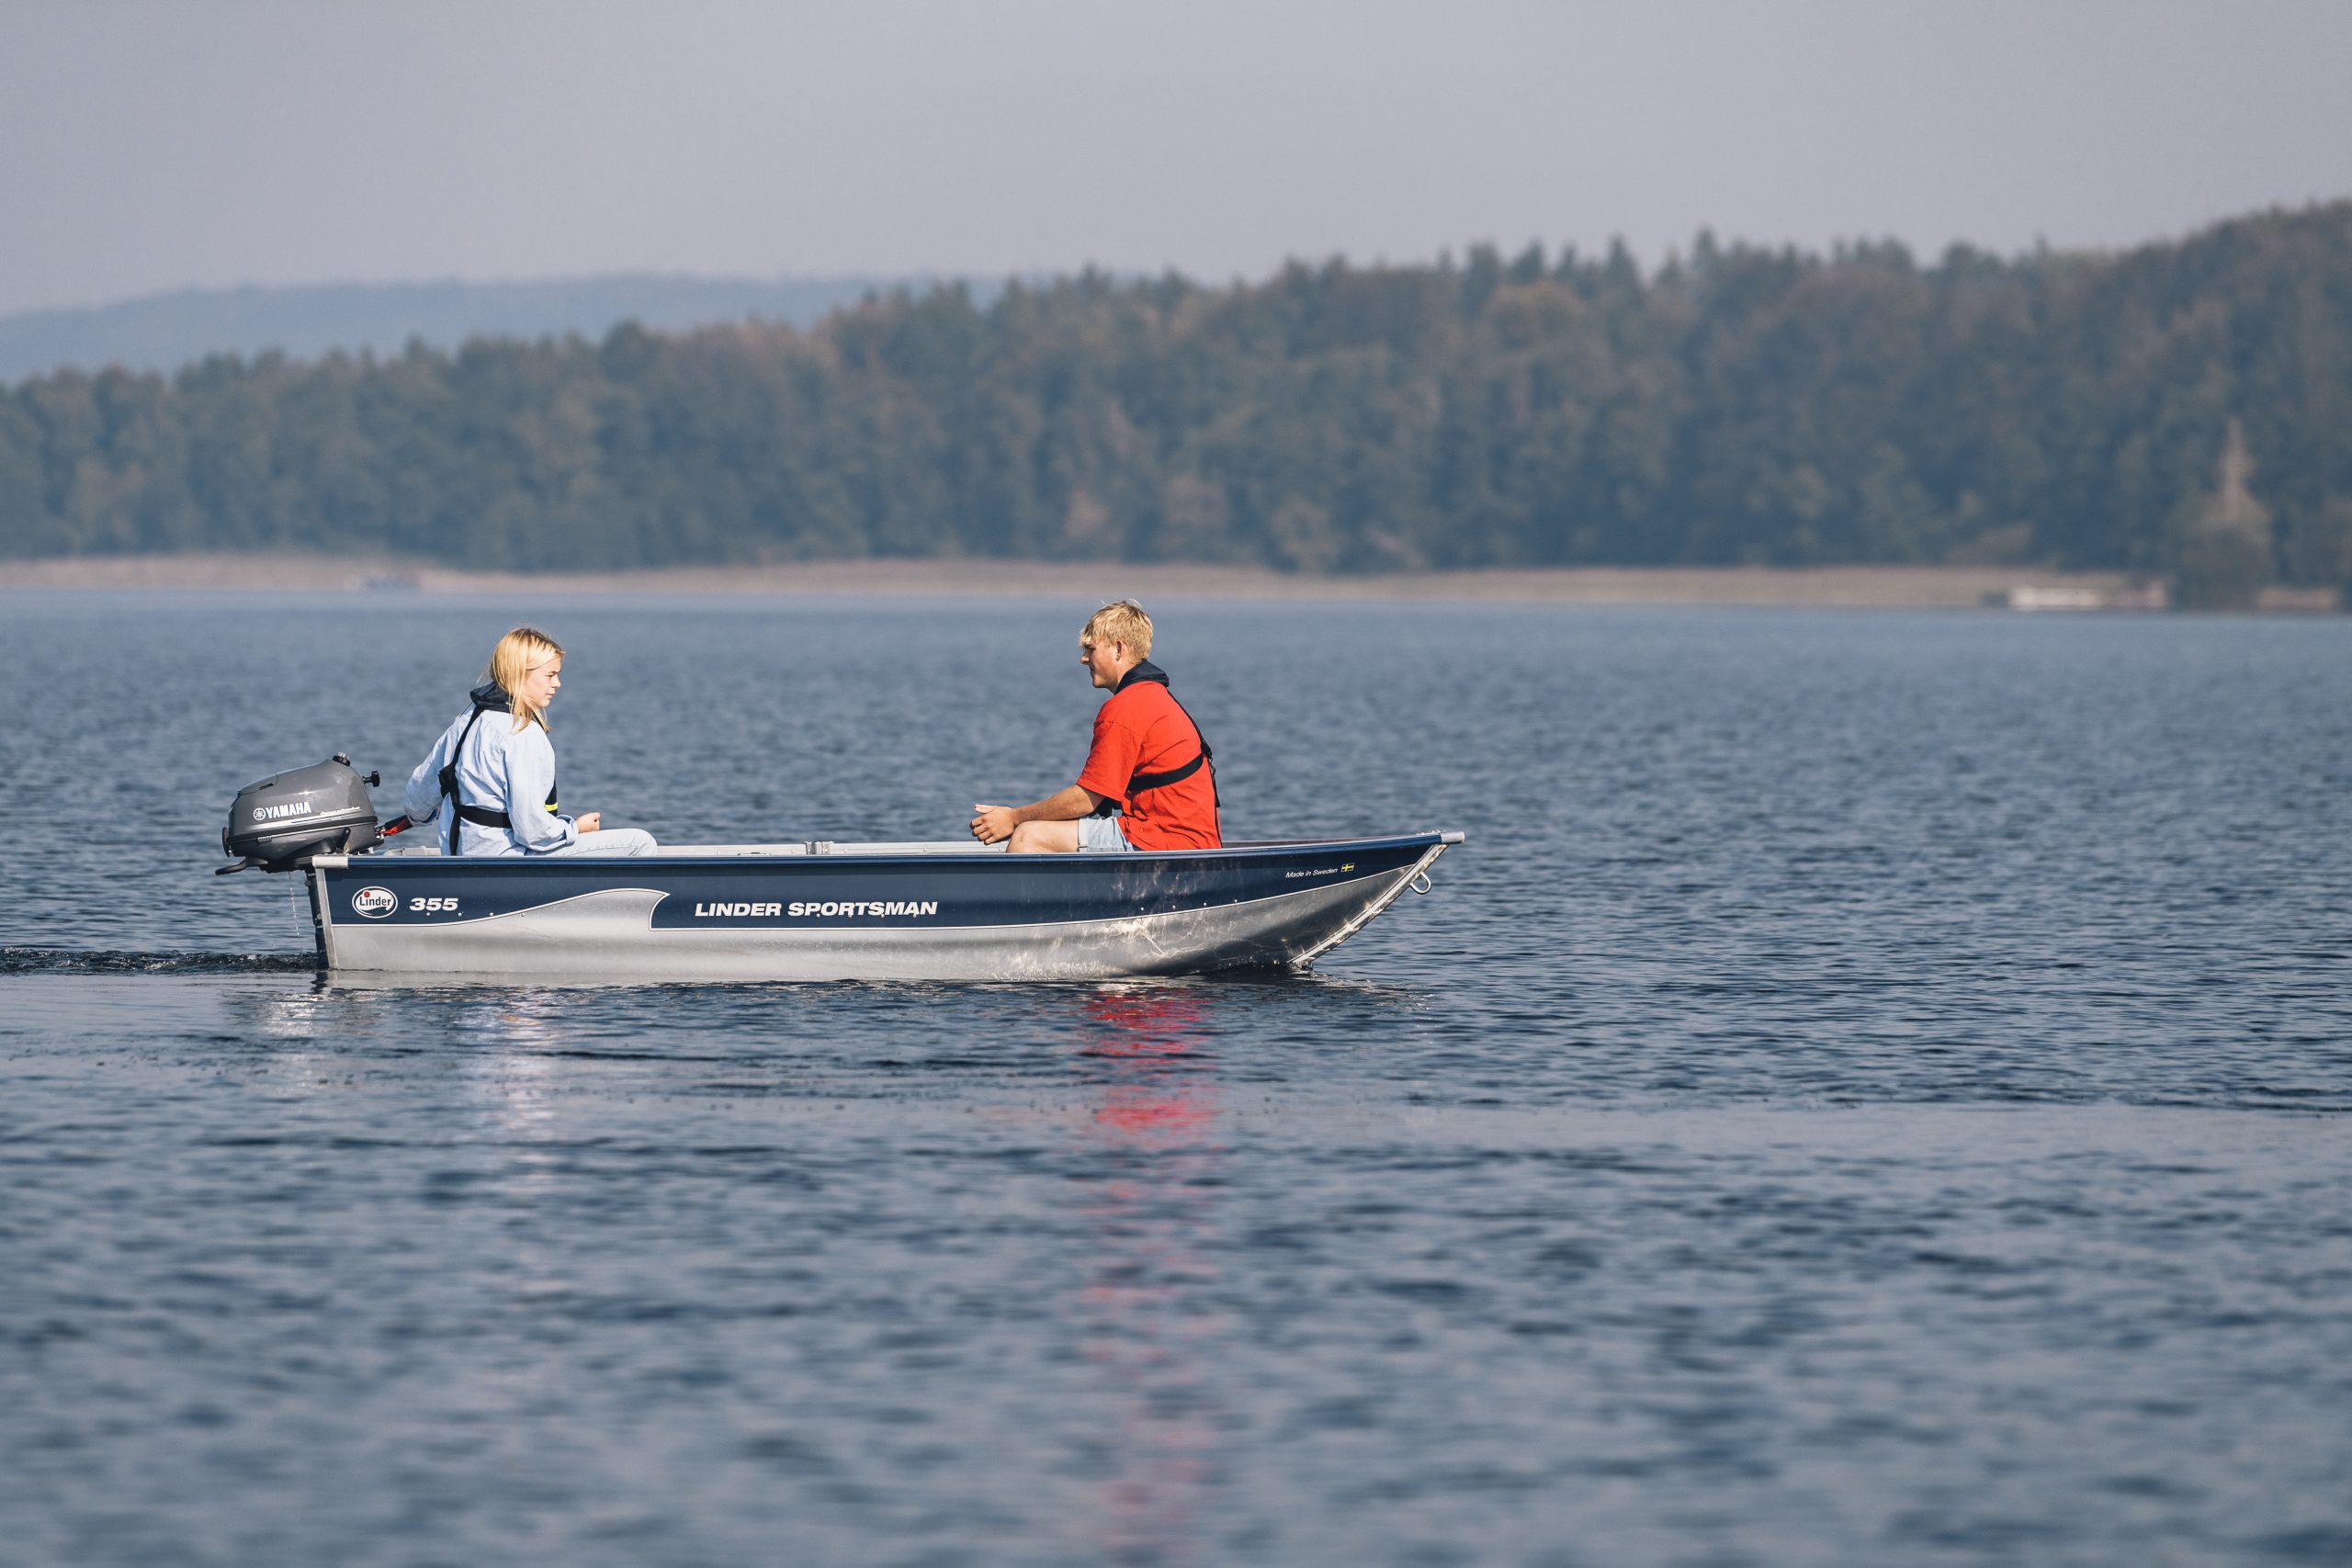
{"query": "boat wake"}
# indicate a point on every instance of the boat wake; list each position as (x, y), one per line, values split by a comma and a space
(80, 960)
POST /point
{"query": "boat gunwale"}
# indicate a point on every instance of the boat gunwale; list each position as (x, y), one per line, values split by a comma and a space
(803, 854)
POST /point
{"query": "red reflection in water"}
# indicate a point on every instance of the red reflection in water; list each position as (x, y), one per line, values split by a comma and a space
(1158, 1101)
(1159, 1114)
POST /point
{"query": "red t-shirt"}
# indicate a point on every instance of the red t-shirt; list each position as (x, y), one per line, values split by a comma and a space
(1141, 730)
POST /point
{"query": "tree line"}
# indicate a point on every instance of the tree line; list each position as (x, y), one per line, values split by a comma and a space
(2158, 410)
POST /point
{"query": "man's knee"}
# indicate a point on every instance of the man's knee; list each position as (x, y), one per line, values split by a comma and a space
(1041, 838)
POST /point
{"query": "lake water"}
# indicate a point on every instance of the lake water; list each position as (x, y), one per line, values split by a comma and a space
(1873, 1090)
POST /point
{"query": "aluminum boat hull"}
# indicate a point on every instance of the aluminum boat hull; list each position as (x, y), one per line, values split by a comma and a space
(852, 912)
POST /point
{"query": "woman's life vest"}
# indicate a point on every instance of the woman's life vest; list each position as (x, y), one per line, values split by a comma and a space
(498, 767)
(487, 698)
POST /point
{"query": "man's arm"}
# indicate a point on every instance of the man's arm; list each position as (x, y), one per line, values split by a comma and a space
(994, 824)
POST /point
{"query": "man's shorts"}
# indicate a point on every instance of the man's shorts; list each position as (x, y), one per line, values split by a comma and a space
(1102, 833)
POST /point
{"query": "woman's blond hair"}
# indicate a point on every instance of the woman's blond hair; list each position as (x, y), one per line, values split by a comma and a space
(518, 653)
(1123, 621)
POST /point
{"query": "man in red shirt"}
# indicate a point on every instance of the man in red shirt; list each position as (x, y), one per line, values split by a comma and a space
(1149, 760)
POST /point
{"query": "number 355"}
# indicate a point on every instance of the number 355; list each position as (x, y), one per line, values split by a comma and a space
(431, 906)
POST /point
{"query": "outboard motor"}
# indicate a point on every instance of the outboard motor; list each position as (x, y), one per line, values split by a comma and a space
(277, 822)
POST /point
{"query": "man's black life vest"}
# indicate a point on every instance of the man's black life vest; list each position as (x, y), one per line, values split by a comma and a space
(1149, 673)
(487, 698)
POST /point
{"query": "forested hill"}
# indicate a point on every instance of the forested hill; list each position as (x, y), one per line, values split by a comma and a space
(1737, 405)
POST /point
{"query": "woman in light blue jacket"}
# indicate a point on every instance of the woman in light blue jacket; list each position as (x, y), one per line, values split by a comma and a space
(492, 781)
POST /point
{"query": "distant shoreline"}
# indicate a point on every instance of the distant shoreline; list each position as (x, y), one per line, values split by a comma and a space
(1862, 587)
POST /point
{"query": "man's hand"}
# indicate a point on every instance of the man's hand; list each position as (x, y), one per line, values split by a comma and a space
(994, 824)
(589, 821)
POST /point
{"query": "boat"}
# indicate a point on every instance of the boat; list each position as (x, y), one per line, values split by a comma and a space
(843, 911)
(810, 910)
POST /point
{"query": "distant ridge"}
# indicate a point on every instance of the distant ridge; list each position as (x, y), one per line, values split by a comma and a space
(2182, 410)
(163, 331)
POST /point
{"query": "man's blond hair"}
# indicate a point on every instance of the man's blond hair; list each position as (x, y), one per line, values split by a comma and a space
(1123, 621)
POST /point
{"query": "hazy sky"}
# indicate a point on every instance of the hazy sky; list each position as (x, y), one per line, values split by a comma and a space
(146, 146)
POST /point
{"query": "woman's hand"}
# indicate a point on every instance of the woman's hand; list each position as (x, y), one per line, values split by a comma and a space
(589, 821)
